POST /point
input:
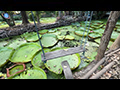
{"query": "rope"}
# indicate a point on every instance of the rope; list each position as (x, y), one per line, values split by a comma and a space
(84, 30)
(38, 36)
(87, 33)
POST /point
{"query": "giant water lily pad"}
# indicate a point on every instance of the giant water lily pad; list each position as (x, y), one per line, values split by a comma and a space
(92, 51)
(16, 43)
(15, 71)
(3, 43)
(32, 36)
(54, 65)
(94, 35)
(100, 31)
(36, 61)
(43, 31)
(114, 35)
(69, 37)
(49, 40)
(5, 53)
(25, 52)
(80, 33)
(35, 73)
(60, 37)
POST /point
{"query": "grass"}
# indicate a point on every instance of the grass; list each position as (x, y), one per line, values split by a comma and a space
(42, 20)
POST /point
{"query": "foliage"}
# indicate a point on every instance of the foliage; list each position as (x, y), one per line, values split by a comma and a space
(36, 60)
(54, 65)
(5, 53)
(49, 40)
(35, 73)
(24, 52)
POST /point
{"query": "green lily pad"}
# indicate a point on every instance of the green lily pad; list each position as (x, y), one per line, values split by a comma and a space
(49, 40)
(60, 37)
(97, 21)
(80, 33)
(94, 35)
(54, 65)
(32, 37)
(16, 43)
(25, 52)
(3, 43)
(69, 37)
(52, 30)
(92, 51)
(100, 31)
(14, 70)
(43, 31)
(114, 35)
(36, 61)
(5, 53)
(35, 73)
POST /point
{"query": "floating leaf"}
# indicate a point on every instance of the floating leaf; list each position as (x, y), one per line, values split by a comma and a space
(94, 35)
(5, 53)
(60, 37)
(54, 65)
(16, 43)
(114, 35)
(43, 31)
(25, 52)
(49, 40)
(36, 61)
(80, 33)
(14, 70)
(35, 73)
(69, 37)
(32, 36)
(3, 43)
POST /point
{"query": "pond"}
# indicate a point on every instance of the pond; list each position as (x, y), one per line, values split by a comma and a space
(26, 49)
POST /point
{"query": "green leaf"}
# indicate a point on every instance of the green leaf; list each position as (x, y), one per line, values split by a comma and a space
(32, 36)
(114, 35)
(16, 43)
(94, 35)
(69, 37)
(5, 53)
(36, 61)
(80, 33)
(43, 31)
(49, 40)
(25, 52)
(35, 73)
(54, 65)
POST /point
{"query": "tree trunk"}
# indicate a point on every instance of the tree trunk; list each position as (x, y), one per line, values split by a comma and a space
(24, 18)
(38, 19)
(116, 44)
(7, 21)
(12, 19)
(111, 22)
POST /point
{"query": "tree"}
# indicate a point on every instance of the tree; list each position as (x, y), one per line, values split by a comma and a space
(24, 18)
(111, 22)
(37, 15)
(10, 21)
(11, 15)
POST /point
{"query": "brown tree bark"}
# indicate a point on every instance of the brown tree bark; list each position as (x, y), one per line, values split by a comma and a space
(111, 22)
(116, 44)
(24, 18)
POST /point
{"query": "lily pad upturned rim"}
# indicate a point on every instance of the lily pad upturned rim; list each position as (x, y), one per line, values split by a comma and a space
(20, 47)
